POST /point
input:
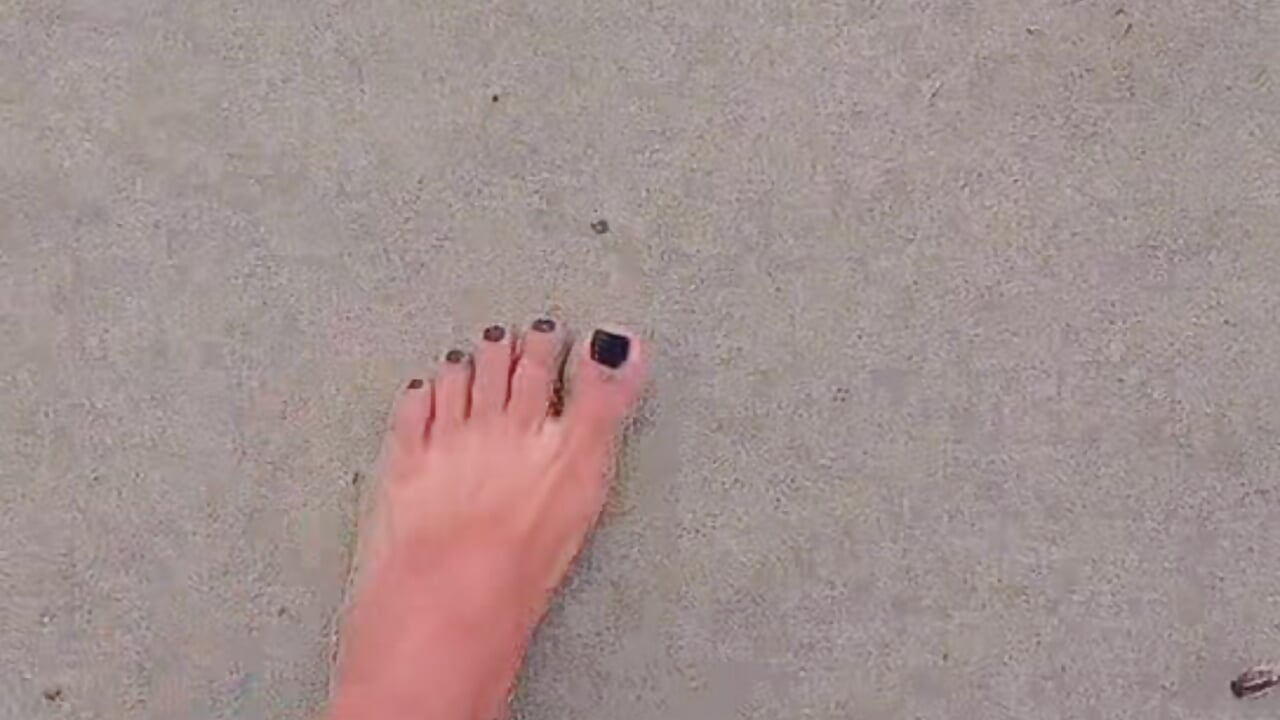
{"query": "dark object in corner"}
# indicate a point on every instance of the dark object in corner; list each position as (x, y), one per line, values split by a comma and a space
(1256, 681)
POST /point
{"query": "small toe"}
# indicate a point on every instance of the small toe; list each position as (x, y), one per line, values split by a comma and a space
(492, 381)
(608, 373)
(536, 371)
(452, 390)
(411, 416)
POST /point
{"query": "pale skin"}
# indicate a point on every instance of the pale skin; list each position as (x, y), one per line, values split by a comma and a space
(485, 496)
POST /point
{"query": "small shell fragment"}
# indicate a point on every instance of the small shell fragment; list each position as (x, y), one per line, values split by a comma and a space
(1255, 681)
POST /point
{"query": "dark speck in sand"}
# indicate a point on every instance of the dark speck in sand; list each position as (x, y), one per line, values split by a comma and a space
(1255, 681)
(600, 226)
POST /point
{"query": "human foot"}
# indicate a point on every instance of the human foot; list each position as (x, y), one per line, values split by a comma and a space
(485, 496)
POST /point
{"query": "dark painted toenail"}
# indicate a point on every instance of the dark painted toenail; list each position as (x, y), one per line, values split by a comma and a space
(454, 356)
(495, 333)
(608, 349)
(544, 325)
(415, 383)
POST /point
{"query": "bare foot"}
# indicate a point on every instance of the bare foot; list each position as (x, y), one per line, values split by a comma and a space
(484, 499)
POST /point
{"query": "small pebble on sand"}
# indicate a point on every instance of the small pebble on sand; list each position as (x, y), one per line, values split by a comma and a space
(1255, 681)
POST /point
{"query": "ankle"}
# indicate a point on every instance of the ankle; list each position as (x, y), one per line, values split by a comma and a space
(457, 628)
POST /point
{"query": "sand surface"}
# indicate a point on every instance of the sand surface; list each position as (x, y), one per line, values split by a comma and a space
(965, 314)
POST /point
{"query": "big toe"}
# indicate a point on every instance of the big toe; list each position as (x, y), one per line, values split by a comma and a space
(609, 369)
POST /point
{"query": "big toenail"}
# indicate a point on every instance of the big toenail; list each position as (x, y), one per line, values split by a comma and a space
(545, 325)
(415, 383)
(495, 333)
(609, 349)
(454, 356)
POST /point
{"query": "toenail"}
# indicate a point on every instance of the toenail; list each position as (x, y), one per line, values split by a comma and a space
(495, 333)
(454, 356)
(415, 383)
(609, 349)
(545, 325)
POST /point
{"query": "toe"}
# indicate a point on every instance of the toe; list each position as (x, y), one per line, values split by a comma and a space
(411, 416)
(452, 390)
(609, 370)
(492, 380)
(536, 371)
